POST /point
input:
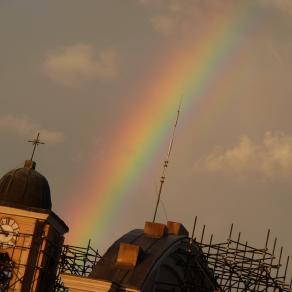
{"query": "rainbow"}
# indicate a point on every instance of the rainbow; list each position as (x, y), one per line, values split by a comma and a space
(200, 71)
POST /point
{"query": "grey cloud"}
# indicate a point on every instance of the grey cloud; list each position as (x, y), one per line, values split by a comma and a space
(25, 127)
(183, 16)
(284, 5)
(169, 17)
(72, 65)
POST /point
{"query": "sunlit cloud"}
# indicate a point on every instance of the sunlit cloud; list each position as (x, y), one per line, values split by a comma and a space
(284, 5)
(25, 127)
(72, 65)
(169, 17)
(269, 159)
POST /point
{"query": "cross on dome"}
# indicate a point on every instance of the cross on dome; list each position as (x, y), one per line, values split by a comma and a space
(35, 143)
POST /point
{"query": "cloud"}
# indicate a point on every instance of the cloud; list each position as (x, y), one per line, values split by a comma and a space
(270, 159)
(284, 5)
(170, 17)
(174, 17)
(164, 24)
(25, 127)
(75, 64)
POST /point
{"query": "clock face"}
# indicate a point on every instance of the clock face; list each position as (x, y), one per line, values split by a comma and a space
(8, 232)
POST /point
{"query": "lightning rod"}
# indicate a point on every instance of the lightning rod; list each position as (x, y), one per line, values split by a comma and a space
(166, 161)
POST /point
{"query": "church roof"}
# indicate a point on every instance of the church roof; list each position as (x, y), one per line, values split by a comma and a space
(25, 187)
(107, 269)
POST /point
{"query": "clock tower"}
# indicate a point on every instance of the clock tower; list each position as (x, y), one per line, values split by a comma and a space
(31, 234)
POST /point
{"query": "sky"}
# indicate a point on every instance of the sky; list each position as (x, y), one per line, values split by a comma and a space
(101, 80)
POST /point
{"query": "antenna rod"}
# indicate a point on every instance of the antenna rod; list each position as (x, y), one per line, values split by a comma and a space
(166, 162)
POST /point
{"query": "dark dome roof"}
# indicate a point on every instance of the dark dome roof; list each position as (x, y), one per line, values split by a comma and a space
(25, 187)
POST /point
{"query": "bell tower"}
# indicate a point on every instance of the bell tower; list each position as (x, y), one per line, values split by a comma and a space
(31, 234)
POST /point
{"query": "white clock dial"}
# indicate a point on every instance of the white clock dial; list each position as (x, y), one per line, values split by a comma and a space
(8, 232)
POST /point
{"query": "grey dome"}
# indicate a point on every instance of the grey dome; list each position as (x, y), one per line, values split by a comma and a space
(25, 187)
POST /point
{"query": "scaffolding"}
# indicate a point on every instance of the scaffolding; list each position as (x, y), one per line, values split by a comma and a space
(229, 266)
(12, 265)
(14, 261)
(77, 261)
(6, 270)
(27, 260)
(237, 266)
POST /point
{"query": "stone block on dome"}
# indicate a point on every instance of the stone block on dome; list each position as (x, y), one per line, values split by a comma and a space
(176, 228)
(128, 255)
(156, 230)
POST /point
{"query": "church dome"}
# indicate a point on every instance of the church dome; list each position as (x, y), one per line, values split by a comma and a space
(25, 187)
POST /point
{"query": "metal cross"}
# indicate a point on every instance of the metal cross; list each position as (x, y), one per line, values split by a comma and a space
(35, 143)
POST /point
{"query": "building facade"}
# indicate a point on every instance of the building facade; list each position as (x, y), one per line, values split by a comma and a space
(32, 236)
(159, 257)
